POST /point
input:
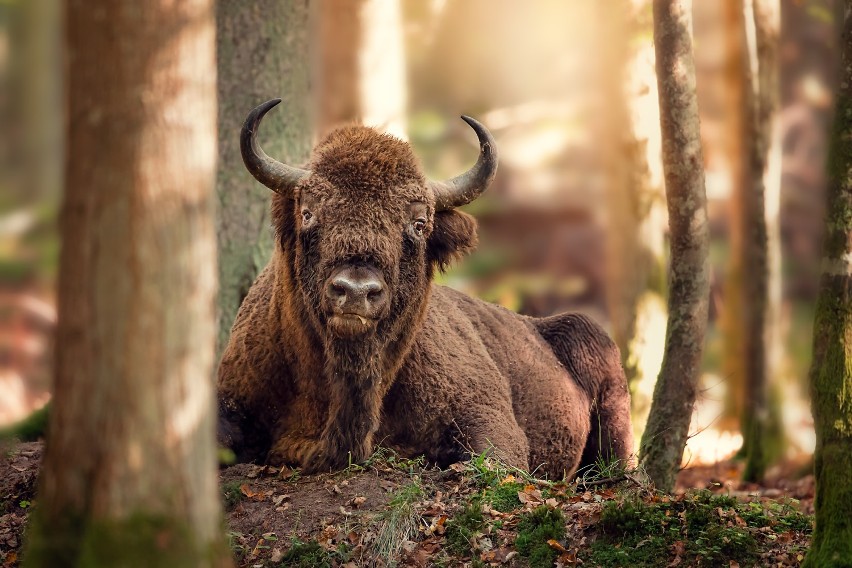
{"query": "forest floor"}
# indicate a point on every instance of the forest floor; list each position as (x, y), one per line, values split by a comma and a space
(393, 511)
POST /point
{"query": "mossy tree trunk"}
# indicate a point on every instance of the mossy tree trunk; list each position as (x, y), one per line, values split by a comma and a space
(831, 370)
(674, 394)
(262, 53)
(129, 473)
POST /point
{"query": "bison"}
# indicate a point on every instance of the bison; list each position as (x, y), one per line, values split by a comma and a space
(343, 342)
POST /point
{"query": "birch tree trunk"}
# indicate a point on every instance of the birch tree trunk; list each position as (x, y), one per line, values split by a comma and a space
(831, 370)
(262, 53)
(674, 395)
(129, 473)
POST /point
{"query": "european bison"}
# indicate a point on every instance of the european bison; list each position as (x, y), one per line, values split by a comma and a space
(343, 341)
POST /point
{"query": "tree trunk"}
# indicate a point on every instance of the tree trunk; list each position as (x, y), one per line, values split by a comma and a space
(674, 395)
(831, 370)
(635, 239)
(129, 473)
(40, 76)
(360, 65)
(762, 287)
(262, 53)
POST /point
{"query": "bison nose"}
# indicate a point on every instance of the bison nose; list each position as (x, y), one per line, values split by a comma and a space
(357, 290)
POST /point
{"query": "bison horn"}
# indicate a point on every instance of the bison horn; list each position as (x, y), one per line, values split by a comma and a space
(278, 177)
(466, 187)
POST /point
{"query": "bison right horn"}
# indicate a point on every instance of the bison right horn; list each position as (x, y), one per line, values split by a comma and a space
(278, 177)
(466, 187)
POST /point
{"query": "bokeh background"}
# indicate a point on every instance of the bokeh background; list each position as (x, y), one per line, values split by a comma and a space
(576, 218)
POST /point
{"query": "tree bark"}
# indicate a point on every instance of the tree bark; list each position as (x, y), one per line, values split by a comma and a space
(831, 370)
(762, 285)
(674, 394)
(733, 319)
(360, 65)
(262, 53)
(129, 473)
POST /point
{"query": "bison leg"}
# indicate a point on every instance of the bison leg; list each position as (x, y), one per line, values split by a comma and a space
(235, 433)
(592, 359)
(492, 431)
(354, 417)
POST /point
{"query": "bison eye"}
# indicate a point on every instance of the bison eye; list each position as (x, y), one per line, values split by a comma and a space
(306, 216)
(419, 225)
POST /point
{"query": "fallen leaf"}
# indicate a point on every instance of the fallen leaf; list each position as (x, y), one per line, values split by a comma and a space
(529, 494)
(554, 544)
(358, 501)
(257, 548)
(277, 500)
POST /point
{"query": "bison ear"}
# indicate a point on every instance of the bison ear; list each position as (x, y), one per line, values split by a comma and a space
(453, 236)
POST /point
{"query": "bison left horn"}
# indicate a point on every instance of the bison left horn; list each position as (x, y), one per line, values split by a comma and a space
(466, 187)
(278, 177)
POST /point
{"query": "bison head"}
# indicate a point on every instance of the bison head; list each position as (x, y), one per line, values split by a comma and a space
(362, 228)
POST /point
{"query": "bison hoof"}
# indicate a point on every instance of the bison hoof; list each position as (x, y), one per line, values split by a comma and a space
(322, 461)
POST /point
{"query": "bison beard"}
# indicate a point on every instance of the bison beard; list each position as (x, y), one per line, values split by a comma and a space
(343, 340)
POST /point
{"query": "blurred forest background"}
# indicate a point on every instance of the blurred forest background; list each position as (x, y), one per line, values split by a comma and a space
(576, 219)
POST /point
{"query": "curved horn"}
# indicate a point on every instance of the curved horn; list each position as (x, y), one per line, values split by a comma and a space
(278, 177)
(466, 187)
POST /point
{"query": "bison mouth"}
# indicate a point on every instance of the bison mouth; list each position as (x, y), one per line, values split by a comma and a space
(350, 325)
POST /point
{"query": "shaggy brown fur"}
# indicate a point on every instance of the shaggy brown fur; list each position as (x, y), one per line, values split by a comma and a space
(438, 373)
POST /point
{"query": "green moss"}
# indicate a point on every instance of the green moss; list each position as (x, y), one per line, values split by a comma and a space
(139, 540)
(30, 428)
(706, 529)
(312, 555)
(534, 530)
(504, 497)
(232, 495)
(462, 527)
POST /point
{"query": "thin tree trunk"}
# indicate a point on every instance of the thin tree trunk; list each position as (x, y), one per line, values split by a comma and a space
(762, 287)
(831, 370)
(40, 77)
(734, 319)
(129, 473)
(360, 65)
(262, 53)
(674, 395)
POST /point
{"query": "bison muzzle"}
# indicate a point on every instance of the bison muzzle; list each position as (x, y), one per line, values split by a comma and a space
(343, 342)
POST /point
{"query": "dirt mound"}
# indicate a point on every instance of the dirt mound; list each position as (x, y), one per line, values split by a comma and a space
(394, 511)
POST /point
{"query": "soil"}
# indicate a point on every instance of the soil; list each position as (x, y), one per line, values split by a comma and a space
(275, 517)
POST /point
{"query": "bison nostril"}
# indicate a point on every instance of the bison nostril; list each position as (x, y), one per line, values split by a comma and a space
(356, 290)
